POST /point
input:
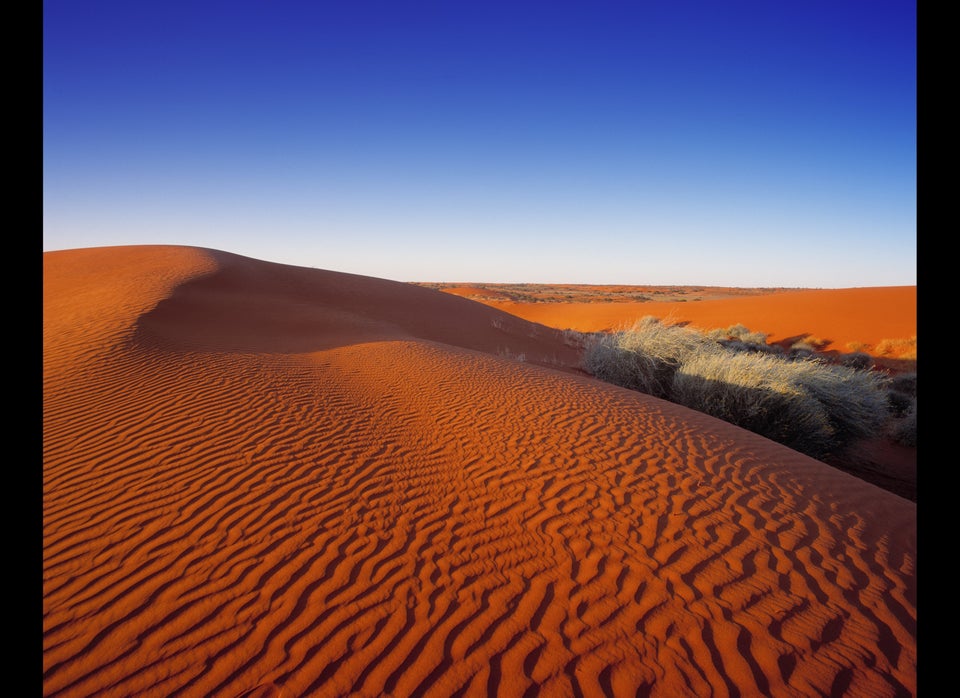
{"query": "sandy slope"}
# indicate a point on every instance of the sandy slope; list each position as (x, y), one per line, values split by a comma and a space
(836, 316)
(268, 480)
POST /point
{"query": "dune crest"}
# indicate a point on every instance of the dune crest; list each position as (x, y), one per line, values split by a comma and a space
(270, 480)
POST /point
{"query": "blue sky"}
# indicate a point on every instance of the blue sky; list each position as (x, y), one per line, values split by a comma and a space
(712, 143)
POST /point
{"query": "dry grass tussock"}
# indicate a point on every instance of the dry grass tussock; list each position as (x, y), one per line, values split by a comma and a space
(814, 406)
(645, 356)
(898, 348)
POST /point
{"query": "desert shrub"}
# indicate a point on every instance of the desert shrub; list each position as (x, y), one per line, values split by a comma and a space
(817, 343)
(898, 402)
(899, 348)
(810, 405)
(855, 400)
(807, 348)
(720, 334)
(645, 356)
(759, 393)
(737, 345)
(802, 350)
(902, 394)
(739, 333)
(905, 383)
(904, 429)
(857, 347)
(740, 338)
(857, 359)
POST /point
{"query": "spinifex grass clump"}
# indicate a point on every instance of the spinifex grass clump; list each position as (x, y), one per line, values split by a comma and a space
(645, 356)
(900, 348)
(757, 394)
(812, 406)
(904, 428)
(902, 398)
(740, 337)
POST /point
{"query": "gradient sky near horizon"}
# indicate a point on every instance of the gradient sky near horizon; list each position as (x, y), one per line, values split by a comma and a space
(737, 143)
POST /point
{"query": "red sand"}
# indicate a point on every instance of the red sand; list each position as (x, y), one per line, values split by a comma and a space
(836, 316)
(268, 480)
(468, 291)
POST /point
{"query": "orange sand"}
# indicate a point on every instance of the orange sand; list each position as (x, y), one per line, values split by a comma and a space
(836, 316)
(268, 480)
(467, 291)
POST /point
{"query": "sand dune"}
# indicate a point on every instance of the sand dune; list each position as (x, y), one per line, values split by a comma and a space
(268, 480)
(838, 317)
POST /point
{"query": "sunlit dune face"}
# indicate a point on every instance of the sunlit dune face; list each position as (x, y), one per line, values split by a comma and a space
(263, 480)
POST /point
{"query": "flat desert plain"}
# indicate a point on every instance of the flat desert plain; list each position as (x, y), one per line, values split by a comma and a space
(262, 479)
(879, 321)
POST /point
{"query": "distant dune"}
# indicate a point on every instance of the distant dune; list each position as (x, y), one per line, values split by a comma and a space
(838, 317)
(261, 479)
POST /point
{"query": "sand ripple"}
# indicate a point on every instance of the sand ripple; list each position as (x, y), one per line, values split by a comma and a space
(400, 516)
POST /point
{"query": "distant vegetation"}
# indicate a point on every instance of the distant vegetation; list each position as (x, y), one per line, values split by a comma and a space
(812, 404)
(901, 348)
(591, 293)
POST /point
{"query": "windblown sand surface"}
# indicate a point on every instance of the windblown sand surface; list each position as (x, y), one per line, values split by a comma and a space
(838, 317)
(269, 480)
